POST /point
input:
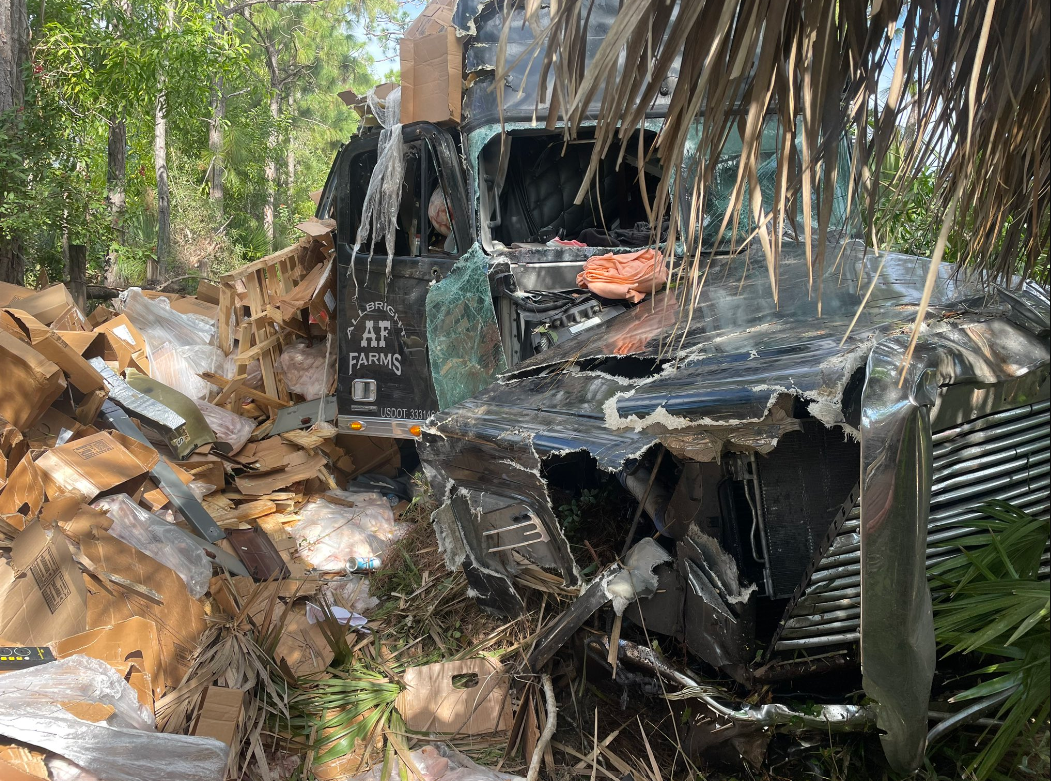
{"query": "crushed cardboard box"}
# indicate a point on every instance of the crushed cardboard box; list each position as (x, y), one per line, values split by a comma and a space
(31, 382)
(221, 710)
(471, 697)
(96, 465)
(432, 67)
(130, 647)
(42, 593)
(180, 619)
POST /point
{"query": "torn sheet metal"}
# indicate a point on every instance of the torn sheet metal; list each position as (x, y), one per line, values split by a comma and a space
(169, 424)
(994, 364)
(742, 376)
(483, 20)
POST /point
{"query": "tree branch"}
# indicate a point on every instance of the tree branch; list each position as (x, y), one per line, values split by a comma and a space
(236, 9)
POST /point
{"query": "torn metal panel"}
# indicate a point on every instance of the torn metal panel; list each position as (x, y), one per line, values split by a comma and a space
(483, 20)
(775, 400)
(897, 626)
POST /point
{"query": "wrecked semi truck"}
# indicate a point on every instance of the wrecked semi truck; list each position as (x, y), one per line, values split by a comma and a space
(800, 475)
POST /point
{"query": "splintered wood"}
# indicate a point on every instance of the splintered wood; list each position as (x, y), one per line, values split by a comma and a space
(254, 311)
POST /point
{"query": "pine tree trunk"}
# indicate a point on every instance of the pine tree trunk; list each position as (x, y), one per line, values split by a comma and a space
(159, 268)
(13, 50)
(290, 158)
(215, 144)
(78, 274)
(270, 172)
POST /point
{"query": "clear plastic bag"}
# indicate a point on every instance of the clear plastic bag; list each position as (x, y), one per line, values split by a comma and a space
(124, 747)
(159, 540)
(230, 429)
(253, 375)
(180, 347)
(331, 536)
(439, 763)
(308, 369)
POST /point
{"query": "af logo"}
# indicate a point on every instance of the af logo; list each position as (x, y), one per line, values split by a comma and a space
(374, 338)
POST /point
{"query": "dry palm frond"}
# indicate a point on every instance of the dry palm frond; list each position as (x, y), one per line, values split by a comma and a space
(971, 76)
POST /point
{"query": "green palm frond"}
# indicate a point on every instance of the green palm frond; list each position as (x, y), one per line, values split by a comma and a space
(993, 604)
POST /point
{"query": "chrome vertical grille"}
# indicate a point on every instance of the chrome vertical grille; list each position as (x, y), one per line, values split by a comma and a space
(1006, 455)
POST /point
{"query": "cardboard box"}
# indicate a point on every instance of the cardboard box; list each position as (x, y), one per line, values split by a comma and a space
(432, 67)
(180, 621)
(98, 316)
(360, 102)
(48, 305)
(125, 345)
(18, 763)
(13, 447)
(24, 492)
(93, 466)
(208, 292)
(42, 593)
(220, 713)
(30, 382)
(193, 306)
(130, 647)
(464, 698)
(82, 375)
(52, 429)
(10, 293)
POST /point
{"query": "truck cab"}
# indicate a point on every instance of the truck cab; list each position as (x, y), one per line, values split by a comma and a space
(510, 205)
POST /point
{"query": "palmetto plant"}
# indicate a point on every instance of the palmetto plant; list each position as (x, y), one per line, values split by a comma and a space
(993, 603)
(971, 78)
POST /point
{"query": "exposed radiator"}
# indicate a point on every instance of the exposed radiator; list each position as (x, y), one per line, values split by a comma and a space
(1006, 455)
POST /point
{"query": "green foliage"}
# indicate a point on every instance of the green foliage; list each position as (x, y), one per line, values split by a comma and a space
(94, 63)
(996, 608)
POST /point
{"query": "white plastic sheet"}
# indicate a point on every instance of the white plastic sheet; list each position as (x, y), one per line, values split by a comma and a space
(159, 540)
(379, 216)
(125, 747)
(308, 368)
(228, 427)
(439, 763)
(332, 537)
(179, 346)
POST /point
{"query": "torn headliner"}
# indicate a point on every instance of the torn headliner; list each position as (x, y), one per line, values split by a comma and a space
(740, 355)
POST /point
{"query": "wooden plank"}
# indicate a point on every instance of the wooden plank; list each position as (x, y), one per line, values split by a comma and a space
(257, 396)
(249, 355)
(227, 306)
(262, 263)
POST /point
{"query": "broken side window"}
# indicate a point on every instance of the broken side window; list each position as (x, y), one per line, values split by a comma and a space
(531, 180)
(463, 340)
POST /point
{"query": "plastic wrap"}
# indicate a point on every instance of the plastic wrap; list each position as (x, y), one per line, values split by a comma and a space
(307, 368)
(351, 592)
(439, 763)
(463, 340)
(253, 375)
(179, 346)
(123, 748)
(331, 536)
(159, 540)
(61, 769)
(379, 215)
(230, 429)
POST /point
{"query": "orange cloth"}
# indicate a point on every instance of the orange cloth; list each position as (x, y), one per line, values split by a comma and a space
(630, 276)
